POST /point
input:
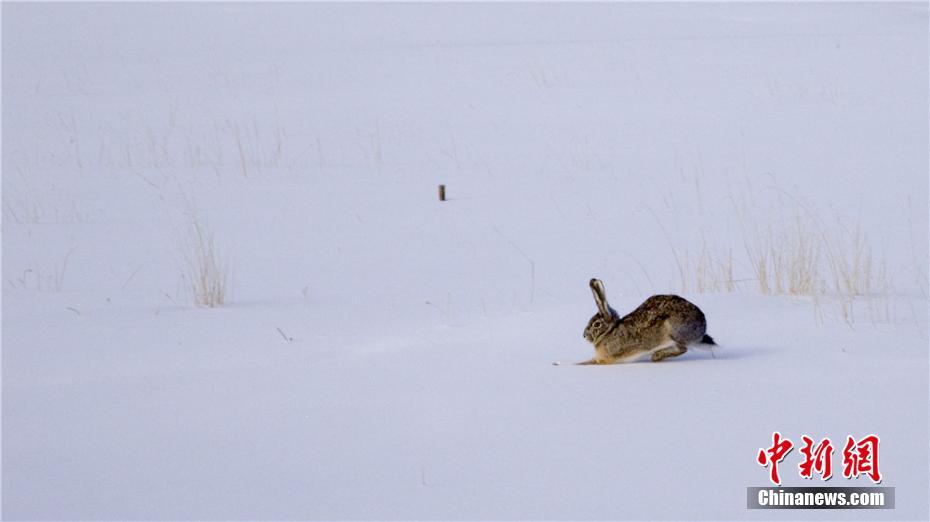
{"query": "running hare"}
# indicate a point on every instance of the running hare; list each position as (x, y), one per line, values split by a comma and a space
(663, 326)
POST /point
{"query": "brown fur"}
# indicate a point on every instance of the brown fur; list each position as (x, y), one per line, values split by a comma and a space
(663, 326)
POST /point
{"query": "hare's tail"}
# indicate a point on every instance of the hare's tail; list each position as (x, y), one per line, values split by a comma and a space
(707, 343)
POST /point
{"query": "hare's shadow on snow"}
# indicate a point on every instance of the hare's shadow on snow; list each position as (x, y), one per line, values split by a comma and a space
(705, 355)
(728, 353)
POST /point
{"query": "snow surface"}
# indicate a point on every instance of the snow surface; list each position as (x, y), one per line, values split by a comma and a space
(387, 356)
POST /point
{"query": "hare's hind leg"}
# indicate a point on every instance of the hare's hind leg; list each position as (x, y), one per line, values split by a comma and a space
(672, 351)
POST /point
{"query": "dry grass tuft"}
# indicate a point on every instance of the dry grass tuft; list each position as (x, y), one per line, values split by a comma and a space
(705, 273)
(786, 260)
(206, 273)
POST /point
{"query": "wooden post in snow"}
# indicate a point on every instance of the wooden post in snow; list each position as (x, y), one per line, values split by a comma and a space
(442, 192)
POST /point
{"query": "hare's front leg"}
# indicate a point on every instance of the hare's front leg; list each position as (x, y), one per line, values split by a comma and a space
(592, 361)
(671, 351)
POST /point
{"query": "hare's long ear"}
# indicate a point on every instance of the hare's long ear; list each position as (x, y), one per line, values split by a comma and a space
(600, 297)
